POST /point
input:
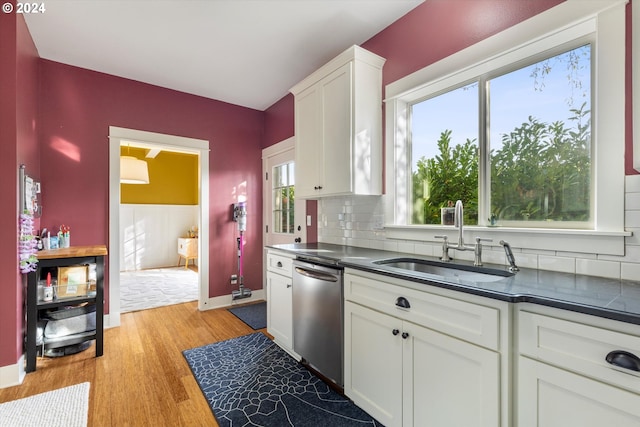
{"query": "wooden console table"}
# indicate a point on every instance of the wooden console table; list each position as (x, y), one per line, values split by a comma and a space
(48, 261)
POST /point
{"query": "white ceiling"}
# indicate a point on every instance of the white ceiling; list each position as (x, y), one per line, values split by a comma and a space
(245, 52)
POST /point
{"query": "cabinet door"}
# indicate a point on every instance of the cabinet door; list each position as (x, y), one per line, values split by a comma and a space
(449, 382)
(337, 112)
(373, 363)
(553, 397)
(279, 314)
(308, 155)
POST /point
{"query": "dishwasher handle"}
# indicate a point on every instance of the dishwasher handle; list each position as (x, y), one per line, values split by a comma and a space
(318, 275)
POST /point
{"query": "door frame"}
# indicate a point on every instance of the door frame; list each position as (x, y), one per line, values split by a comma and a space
(267, 153)
(146, 139)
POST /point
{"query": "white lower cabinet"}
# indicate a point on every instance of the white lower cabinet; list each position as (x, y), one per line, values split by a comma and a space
(280, 323)
(279, 300)
(408, 374)
(449, 382)
(564, 379)
(373, 363)
(554, 397)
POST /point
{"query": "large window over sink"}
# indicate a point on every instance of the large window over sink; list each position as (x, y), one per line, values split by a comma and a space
(533, 123)
(526, 128)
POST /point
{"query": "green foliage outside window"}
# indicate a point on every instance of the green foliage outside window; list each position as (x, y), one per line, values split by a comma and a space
(541, 173)
(449, 176)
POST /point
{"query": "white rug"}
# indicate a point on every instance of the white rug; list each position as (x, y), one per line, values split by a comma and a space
(143, 289)
(64, 407)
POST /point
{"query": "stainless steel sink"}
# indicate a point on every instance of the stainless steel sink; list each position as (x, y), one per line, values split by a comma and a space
(447, 270)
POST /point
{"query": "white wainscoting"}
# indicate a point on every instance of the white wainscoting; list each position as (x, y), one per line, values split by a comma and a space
(149, 234)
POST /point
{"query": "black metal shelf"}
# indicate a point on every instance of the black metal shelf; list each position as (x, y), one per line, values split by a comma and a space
(33, 307)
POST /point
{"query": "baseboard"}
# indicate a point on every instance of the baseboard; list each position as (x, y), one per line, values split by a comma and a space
(12, 375)
(226, 300)
(111, 321)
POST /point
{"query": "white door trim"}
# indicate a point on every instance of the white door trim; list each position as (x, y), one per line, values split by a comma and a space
(268, 153)
(139, 138)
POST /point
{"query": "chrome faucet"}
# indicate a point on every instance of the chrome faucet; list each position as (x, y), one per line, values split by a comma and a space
(512, 261)
(458, 219)
(458, 223)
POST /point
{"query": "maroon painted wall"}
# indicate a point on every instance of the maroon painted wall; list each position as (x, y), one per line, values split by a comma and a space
(79, 105)
(8, 182)
(278, 126)
(18, 142)
(439, 28)
(278, 122)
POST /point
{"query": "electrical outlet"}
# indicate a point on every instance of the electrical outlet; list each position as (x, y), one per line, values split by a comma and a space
(234, 279)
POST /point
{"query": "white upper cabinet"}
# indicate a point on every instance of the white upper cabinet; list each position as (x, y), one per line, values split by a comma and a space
(338, 127)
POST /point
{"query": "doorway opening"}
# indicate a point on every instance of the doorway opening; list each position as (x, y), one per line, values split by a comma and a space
(153, 143)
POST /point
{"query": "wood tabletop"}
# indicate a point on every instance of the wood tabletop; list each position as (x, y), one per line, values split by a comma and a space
(73, 252)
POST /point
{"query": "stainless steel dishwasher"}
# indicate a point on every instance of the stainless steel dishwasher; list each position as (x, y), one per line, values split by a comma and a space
(318, 317)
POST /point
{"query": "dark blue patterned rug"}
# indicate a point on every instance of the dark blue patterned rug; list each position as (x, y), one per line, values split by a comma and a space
(254, 315)
(250, 381)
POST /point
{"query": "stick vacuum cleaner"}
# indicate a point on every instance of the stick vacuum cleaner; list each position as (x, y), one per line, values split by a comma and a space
(240, 216)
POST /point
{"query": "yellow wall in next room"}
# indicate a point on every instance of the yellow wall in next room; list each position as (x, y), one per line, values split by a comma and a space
(173, 179)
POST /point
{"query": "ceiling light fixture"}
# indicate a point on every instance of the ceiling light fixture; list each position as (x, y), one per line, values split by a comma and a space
(133, 170)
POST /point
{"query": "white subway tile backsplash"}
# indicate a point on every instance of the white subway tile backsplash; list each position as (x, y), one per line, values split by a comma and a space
(632, 184)
(576, 255)
(632, 201)
(610, 269)
(408, 247)
(540, 252)
(390, 245)
(630, 271)
(632, 218)
(526, 260)
(495, 257)
(359, 221)
(555, 263)
(461, 255)
(426, 250)
(374, 244)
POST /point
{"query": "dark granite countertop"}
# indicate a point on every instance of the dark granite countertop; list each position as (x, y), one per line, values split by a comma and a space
(609, 298)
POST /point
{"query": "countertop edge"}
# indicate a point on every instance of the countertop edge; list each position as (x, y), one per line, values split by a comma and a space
(602, 312)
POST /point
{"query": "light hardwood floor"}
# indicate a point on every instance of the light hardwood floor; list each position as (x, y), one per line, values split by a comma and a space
(142, 379)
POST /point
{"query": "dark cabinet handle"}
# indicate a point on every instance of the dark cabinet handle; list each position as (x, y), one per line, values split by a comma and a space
(279, 264)
(403, 302)
(298, 239)
(624, 359)
(395, 332)
(318, 187)
(405, 335)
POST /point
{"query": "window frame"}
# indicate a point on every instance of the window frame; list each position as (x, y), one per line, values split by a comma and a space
(600, 22)
(290, 206)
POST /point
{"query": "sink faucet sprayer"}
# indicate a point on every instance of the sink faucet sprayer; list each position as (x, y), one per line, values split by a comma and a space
(458, 223)
(512, 261)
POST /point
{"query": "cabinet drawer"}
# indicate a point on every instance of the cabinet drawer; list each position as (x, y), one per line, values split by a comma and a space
(578, 347)
(474, 323)
(279, 263)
